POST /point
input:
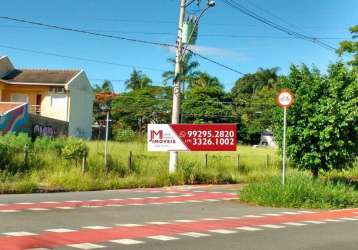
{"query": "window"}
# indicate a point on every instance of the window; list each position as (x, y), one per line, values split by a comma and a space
(58, 90)
(19, 98)
(58, 101)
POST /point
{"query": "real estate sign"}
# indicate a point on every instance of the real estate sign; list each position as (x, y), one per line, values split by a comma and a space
(192, 137)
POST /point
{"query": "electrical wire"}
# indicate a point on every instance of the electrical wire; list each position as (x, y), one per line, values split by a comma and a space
(235, 5)
(115, 37)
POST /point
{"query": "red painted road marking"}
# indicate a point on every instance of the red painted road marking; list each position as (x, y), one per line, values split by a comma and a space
(125, 201)
(52, 240)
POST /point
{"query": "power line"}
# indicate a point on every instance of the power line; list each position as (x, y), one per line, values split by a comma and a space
(201, 35)
(235, 5)
(80, 58)
(116, 37)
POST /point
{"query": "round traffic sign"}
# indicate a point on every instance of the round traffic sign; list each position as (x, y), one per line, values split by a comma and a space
(285, 98)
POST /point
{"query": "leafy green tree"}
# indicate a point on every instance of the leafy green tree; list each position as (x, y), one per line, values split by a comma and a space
(137, 80)
(188, 72)
(322, 129)
(139, 107)
(351, 47)
(253, 95)
(206, 102)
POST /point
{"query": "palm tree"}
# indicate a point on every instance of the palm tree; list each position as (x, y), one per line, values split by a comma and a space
(106, 87)
(203, 79)
(187, 71)
(137, 80)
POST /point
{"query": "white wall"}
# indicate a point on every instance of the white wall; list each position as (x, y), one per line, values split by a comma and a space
(81, 107)
(55, 106)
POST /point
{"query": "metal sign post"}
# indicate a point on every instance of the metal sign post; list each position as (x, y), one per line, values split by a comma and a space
(284, 99)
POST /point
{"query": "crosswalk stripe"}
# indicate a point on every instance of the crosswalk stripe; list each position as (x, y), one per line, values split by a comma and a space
(162, 237)
(195, 235)
(86, 246)
(127, 241)
(272, 226)
(294, 224)
(222, 231)
(249, 228)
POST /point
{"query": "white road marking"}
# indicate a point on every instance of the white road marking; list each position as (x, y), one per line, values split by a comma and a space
(128, 225)
(184, 221)
(24, 203)
(39, 249)
(19, 234)
(294, 224)
(231, 217)
(156, 203)
(136, 204)
(135, 198)
(86, 246)
(348, 219)
(314, 222)
(272, 214)
(291, 213)
(306, 212)
(96, 200)
(153, 197)
(116, 199)
(37, 209)
(176, 202)
(9, 211)
(162, 237)
(158, 223)
(113, 205)
(332, 220)
(272, 226)
(222, 231)
(253, 216)
(195, 235)
(212, 200)
(96, 227)
(91, 206)
(50, 202)
(193, 201)
(127, 241)
(64, 207)
(249, 228)
(73, 201)
(209, 219)
(59, 230)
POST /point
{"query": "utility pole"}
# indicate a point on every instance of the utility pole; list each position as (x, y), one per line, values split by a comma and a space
(173, 160)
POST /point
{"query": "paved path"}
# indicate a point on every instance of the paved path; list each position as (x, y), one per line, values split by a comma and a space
(189, 217)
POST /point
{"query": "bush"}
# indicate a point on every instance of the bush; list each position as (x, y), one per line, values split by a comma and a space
(5, 159)
(75, 149)
(17, 143)
(124, 135)
(322, 132)
(45, 143)
(300, 191)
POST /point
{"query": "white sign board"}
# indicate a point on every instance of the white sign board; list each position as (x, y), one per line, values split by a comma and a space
(161, 137)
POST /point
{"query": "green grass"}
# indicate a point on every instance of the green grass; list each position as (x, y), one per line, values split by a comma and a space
(300, 191)
(149, 169)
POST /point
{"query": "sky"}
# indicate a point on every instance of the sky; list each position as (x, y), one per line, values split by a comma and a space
(225, 35)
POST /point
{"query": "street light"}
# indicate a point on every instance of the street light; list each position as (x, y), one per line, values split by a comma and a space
(106, 108)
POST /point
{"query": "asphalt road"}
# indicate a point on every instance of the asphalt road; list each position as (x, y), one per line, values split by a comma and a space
(190, 217)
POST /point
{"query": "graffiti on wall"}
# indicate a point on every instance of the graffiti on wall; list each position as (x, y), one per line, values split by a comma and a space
(41, 130)
(14, 120)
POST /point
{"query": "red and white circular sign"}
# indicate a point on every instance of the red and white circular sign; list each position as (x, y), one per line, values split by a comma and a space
(285, 98)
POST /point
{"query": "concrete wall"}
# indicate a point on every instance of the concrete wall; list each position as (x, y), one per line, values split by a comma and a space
(14, 120)
(40, 126)
(81, 107)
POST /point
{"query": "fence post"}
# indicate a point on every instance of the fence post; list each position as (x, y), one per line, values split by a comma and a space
(130, 161)
(238, 162)
(206, 160)
(83, 164)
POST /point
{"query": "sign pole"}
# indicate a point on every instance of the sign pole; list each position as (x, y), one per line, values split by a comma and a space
(284, 145)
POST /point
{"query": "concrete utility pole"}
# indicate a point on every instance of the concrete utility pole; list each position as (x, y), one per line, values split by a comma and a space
(173, 160)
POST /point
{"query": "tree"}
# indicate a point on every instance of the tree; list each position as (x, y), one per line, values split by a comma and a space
(322, 129)
(188, 71)
(106, 87)
(206, 102)
(350, 47)
(137, 80)
(253, 95)
(139, 107)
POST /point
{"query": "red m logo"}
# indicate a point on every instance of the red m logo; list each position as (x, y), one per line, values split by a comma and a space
(156, 135)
